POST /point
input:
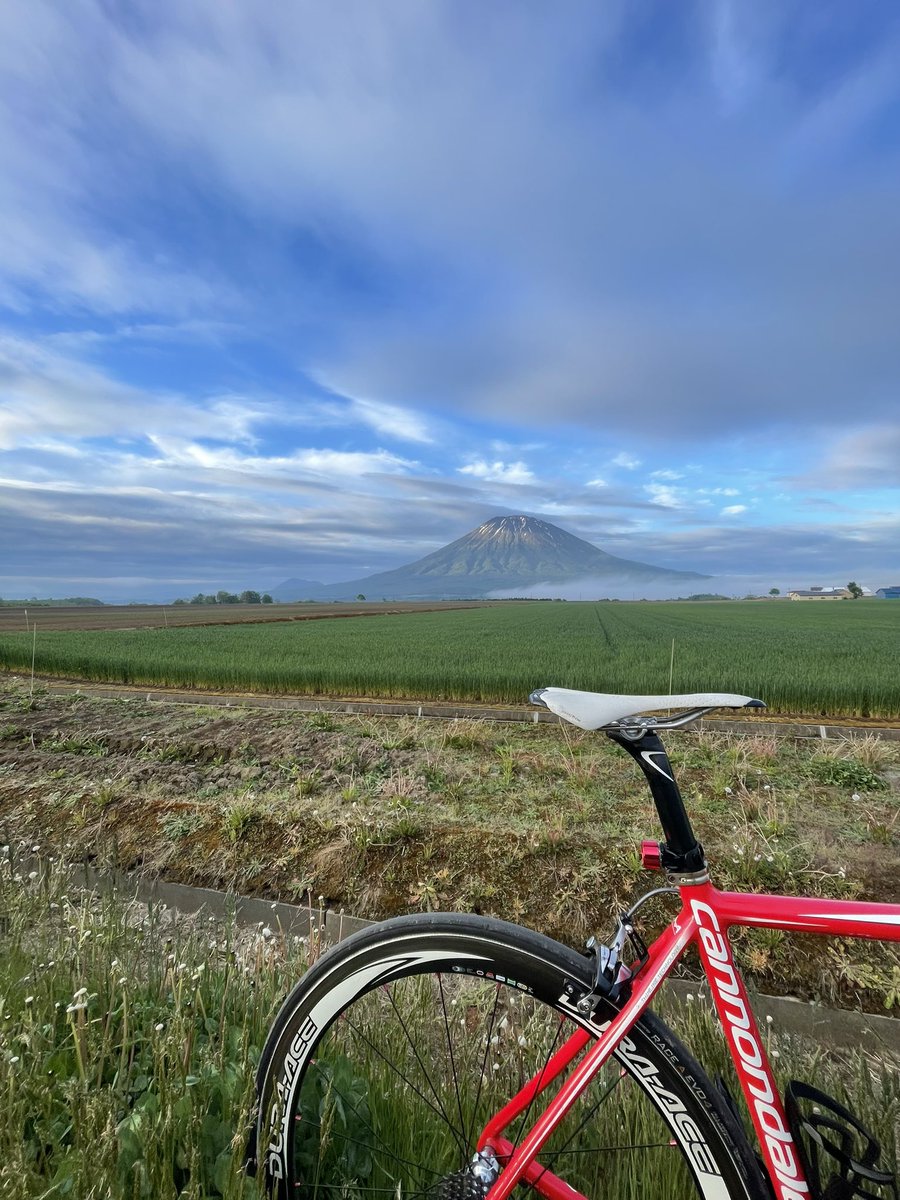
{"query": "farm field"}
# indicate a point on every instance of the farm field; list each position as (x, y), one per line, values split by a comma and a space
(828, 659)
(15, 619)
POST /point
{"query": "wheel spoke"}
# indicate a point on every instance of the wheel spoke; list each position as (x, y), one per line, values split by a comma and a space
(409, 1083)
(487, 1049)
(458, 1134)
(398, 1080)
(582, 1124)
(462, 1121)
(527, 1113)
(406, 1162)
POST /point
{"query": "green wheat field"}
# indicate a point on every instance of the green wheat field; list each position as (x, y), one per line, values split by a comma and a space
(819, 659)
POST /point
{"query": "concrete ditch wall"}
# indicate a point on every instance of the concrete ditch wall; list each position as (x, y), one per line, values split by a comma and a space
(450, 711)
(875, 1034)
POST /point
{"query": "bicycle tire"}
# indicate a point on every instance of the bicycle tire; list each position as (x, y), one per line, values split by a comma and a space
(333, 1125)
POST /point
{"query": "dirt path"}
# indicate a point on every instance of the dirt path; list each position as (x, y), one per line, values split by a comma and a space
(789, 725)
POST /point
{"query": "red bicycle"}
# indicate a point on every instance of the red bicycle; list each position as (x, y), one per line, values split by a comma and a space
(456, 1057)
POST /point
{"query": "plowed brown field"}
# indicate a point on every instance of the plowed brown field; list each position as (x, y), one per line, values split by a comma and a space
(160, 616)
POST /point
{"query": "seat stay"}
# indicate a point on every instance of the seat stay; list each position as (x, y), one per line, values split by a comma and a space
(663, 955)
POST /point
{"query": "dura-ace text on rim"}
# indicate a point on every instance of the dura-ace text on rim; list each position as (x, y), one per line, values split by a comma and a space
(389, 1057)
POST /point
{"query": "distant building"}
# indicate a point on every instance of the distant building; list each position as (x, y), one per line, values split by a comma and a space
(820, 593)
(888, 593)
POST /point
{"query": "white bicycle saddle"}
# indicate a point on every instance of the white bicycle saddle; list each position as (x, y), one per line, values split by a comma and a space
(593, 710)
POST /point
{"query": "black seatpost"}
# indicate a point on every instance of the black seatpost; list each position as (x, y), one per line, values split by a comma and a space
(681, 853)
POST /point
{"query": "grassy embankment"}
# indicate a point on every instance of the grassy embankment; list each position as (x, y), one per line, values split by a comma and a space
(827, 659)
(381, 816)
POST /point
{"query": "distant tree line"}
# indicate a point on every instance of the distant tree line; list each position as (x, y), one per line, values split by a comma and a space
(64, 602)
(223, 597)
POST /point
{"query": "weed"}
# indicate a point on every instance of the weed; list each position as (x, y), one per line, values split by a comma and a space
(105, 793)
(91, 747)
(238, 816)
(881, 827)
(434, 777)
(308, 783)
(403, 737)
(400, 785)
(181, 825)
(846, 772)
(168, 752)
(465, 735)
(323, 721)
(507, 756)
(247, 754)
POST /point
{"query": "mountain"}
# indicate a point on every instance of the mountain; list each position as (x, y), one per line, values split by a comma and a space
(504, 554)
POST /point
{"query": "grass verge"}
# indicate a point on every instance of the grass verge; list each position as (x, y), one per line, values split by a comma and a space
(129, 1038)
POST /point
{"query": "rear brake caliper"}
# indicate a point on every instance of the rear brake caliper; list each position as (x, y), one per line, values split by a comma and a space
(613, 976)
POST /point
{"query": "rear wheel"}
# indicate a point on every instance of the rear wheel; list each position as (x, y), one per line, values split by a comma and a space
(391, 1055)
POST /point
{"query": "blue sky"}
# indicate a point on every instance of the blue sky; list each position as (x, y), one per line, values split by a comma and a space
(310, 290)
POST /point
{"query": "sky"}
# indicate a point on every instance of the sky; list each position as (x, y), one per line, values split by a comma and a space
(310, 290)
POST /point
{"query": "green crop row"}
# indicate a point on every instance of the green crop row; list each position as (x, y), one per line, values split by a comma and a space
(825, 659)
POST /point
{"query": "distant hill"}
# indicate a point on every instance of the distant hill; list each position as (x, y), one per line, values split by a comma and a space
(502, 555)
(298, 589)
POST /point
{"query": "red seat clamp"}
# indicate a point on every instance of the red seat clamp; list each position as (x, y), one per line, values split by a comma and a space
(650, 856)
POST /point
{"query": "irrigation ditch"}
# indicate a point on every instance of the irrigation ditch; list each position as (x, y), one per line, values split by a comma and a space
(828, 1026)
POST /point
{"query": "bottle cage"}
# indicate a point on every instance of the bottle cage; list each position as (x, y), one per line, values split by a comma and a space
(840, 1157)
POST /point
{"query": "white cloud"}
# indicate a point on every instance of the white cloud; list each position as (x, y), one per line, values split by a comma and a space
(499, 472)
(863, 458)
(325, 462)
(663, 495)
(48, 394)
(670, 475)
(628, 461)
(391, 421)
(732, 510)
(597, 483)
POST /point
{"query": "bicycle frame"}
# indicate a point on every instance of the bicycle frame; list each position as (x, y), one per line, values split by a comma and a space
(704, 920)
